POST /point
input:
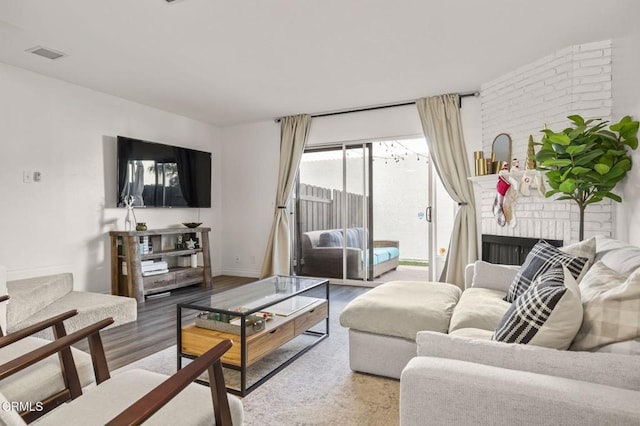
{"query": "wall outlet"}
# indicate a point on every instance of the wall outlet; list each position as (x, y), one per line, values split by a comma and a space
(237, 259)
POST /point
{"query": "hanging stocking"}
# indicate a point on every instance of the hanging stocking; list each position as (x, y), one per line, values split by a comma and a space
(498, 202)
(537, 183)
(509, 203)
(526, 182)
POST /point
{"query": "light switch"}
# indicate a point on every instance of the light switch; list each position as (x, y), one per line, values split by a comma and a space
(26, 177)
(37, 176)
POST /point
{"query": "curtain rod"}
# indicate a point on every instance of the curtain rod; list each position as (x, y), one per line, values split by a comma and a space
(373, 108)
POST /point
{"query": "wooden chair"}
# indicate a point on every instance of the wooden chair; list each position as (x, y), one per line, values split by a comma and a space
(46, 382)
(133, 396)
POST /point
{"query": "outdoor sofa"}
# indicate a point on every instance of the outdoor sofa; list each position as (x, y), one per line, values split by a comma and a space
(322, 254)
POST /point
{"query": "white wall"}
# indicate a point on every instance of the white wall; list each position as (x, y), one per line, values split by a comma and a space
(67, 133)
(574, 80)
(626, 97)
(250, 169)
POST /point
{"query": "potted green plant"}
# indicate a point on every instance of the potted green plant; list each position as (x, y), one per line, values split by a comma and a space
(586, 161)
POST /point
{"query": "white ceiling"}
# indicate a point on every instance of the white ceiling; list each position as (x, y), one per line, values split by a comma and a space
(235, 61)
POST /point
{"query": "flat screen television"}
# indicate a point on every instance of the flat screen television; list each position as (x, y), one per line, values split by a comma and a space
(157, 175)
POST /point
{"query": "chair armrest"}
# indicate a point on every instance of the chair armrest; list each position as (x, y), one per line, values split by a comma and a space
(446, 391)
(55, 322)
(3, 311)
(622, 371)
(146, 406)
(30, 358)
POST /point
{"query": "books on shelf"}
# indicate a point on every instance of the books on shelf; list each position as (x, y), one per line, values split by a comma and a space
(156, 272)
(149, 267)
(154, 266)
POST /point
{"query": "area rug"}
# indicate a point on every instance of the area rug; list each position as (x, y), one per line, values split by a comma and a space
(316, 389)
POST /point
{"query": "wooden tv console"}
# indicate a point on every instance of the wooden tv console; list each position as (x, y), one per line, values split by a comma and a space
(126, 262)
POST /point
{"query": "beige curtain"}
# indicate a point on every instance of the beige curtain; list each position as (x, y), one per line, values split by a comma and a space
(442, 126)
(294, 131)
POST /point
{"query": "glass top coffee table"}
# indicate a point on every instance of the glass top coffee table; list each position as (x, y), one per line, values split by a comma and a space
(272, 322)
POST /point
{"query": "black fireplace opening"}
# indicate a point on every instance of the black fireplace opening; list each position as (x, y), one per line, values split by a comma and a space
(509, 250)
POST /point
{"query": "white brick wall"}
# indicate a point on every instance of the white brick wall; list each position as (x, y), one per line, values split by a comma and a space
(574, 80)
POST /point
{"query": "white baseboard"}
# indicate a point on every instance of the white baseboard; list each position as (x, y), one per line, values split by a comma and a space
(241, 273)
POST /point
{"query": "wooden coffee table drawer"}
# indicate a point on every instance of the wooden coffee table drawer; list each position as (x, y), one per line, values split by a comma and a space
(196, 341)
(310, 318)
(260, 344)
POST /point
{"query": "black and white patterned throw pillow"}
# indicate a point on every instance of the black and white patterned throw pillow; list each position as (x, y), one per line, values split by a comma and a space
(542, 256)
(548, 313)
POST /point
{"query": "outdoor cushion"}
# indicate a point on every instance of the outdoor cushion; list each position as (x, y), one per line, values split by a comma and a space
(402, 308)
(330, 239)
(355, 238)
(383, 254)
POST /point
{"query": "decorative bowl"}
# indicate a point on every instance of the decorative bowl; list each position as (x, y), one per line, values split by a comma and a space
(192, 224)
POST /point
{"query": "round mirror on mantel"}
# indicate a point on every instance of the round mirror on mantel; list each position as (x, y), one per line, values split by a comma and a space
(501, 148)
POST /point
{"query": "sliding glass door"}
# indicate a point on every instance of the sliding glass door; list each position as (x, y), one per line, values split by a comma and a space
(365, 213)
(332, 213)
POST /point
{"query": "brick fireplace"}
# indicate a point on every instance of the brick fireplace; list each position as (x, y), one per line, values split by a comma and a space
(574, 80)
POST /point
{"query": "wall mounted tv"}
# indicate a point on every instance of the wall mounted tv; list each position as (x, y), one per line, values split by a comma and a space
(157, 175)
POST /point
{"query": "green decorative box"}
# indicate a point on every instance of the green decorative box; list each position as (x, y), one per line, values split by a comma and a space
(253, 323)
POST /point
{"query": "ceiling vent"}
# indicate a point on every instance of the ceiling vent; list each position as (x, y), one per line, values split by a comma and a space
(46, 52)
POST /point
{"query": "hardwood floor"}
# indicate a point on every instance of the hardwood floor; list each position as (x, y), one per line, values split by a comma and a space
(155, 328)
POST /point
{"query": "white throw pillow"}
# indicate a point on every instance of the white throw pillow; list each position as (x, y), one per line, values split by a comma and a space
(492, 276)
(585, 248)
(548, 313)
(611, 303)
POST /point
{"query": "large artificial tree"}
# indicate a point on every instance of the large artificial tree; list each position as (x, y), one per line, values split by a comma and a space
(586, 161)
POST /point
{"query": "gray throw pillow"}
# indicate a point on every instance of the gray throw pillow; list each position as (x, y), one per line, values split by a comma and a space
(330, 239)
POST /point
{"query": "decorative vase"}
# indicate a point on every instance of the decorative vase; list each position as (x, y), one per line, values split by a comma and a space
(141, 226)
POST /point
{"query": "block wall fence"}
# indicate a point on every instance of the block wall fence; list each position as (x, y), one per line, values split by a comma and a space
(574, 80)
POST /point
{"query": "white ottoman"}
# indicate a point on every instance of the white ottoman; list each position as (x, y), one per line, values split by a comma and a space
(384, 321)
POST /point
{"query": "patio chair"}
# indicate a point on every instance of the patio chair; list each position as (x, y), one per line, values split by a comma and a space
(134, 396)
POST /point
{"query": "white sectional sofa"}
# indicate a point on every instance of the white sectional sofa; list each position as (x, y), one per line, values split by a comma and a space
(465, 378)
(462, 381)
(438, 341)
